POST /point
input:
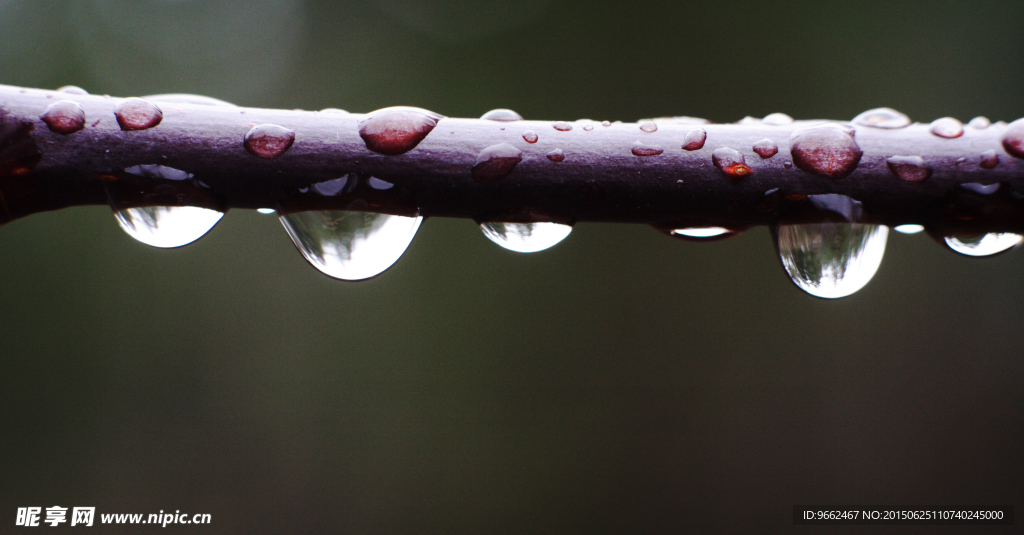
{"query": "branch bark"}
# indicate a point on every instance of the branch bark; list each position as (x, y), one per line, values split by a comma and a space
(578, 171)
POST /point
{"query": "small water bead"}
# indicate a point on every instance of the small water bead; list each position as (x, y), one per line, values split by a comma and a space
(980, 189)
(826, 150)
(496, 162)
(1013, 139)
(350, 245)
(561, 126)
(137, 114)
(748, 120)
(882, 118)
(588, 127)
(979, 123)
(72, 90)
(909, 168)
(502, 114)
(269, 140)
(188, 98)
(330, 188)
(648, 126)
(730, 162)
(159, 172)
(777, 119)
(695, 139)
(984, 245)
(831, 260)
(989, 159)
(334, 110)
(947, 127)
(266, 211)
(909, 228)
(644, 149)
(766, 148)
(556, 155)
(787, 165)
(396, 130)
(64, 117)
(530, 136)
(526, 237)
(379, 184)
(606, 123)
(167, 226)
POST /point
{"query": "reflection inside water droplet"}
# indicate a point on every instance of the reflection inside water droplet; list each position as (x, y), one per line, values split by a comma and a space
(330, 188)
(266, 211)
(984, 245)
(909, 228)
(350, 245)
(526, 237)
(831, 260)
(701, 232)
(167, 226)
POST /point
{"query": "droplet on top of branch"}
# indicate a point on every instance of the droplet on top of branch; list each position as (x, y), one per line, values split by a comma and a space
(396, 130)
(64, 117)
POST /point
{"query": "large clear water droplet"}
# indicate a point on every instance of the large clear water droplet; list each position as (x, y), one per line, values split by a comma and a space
(167, 226)
(526, 237)
(350, 245)
(831, 260)
(984, 245)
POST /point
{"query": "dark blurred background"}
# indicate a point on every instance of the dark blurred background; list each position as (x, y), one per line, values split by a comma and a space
(619, 382)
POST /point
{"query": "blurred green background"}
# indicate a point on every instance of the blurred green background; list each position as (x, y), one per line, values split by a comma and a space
(619, 382)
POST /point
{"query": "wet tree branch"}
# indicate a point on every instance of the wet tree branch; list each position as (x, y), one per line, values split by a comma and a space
(669, 172)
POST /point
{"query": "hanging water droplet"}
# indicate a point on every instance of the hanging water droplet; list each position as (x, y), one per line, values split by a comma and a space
(989, 159)
(947, 127)
(831, 260)
(496, 162)
(167, 226)
(730, 162)
(266, 211)
(644, 149)
(529, 136)
(694, 139)
(526, 237)
(909, 168)
(379, 184)
(188, 98)
(158, 171)
(777, 119)
(556, 155)
(1013, 139)
(269, 140)
(980, 189)
(330, 188)
(502, 114)
(561, 126)
(350, 245)
(909, 228)
(851, 209)
(703, 234)
(984, 245)
(396, 130)
(137, 114)
(72, 90)
(648, 126)
(766, 148)
(882, 118)
(979, 123)
(826, 150)
(64, 117)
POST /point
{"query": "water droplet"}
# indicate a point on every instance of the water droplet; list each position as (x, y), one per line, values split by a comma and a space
(167, 226)
(787, 165)
(826, 150)
(1013, 139)
(909, 168)
(330, 188)
(396, 130)
(766, 148)
(379, 184)
(979, 123)
(188, 98)
(64, 117)
(989, 159)
(909, 228)
(502, 114)
(72, 90)
(266, 211)
(158, 172)
(831, 260)
(777, 119)
(334, 110)
(606, 123)
(694, 139)
(748, 120)
(556, 155)
(643, 149)
(981, 189)
(137, 114)
(350, 245)
(882, 118)
(529, 136)
(961, 160)
(526, 237)
(703, 234)
(679, 184)
(730, 162)
(984, 245)
(588, 127)
(648, 126)
(850, 209)
(561, 126)
(496, 162)
(947, 127)
(269, 140)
